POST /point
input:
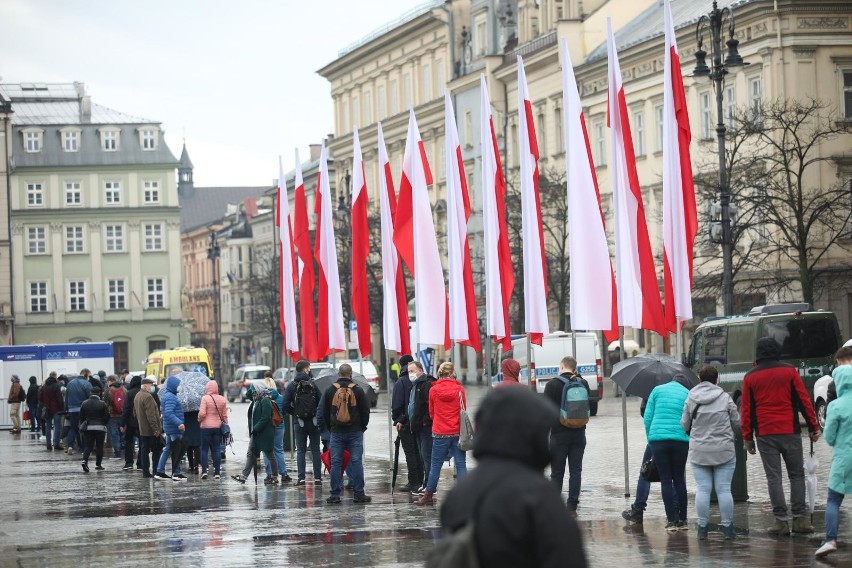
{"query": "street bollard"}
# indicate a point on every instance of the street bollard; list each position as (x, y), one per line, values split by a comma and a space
(739, 484)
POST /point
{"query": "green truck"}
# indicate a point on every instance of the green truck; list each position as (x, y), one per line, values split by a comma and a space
(808, 340)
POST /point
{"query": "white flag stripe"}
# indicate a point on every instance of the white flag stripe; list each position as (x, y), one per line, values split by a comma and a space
(357, 167)
(494, 321)
(456, 228)
(328, 259)
(287, 288)
(390, 258)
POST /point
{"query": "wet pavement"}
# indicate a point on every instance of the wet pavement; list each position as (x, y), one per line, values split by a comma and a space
(54, 514)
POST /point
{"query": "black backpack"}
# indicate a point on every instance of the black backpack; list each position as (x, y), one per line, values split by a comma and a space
(305, 400)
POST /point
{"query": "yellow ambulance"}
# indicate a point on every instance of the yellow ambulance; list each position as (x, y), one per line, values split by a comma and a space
(164, 363)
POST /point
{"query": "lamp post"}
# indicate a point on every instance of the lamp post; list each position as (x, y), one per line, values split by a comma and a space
(714, 21)
(213, 253)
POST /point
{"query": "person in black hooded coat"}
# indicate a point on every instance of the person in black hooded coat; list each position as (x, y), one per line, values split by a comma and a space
(520, 519)
(399, 414)
(128, 425)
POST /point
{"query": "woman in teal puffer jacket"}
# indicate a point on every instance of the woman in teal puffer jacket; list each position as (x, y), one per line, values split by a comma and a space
(670, 446)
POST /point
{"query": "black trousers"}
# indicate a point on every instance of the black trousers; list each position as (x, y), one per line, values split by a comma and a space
(94, 440)
(129, 444)
(412, 457)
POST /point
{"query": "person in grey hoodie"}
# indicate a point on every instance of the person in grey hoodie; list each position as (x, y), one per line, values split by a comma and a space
(711, 419)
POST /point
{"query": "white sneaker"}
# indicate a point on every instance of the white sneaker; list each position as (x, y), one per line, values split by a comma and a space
(826, 549)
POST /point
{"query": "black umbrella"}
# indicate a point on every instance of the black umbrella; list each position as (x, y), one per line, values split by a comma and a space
(327, 377)
(639, 375)
(395, 462)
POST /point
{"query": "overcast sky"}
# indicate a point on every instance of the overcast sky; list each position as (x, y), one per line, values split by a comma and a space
(237, 79)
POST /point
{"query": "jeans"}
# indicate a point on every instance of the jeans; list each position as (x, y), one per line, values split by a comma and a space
(354, 442)
(643, 488)
(278, 451)
(424, 449)
(167, 450)
(149, 452)
(210, 439)
(442, 449)
(670, 457)
(129, 443)
(303, 434)
(832, 514)
(772, 449)
(53, 422)
(708, 477)
(115, 435)
(568, 445)
(34, 419)
(73, 423)
(94, 439)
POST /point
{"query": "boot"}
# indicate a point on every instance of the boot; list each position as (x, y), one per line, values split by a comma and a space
(801, 525)
(426, 498)
(779, 528)
(729, 532)
(633, 515)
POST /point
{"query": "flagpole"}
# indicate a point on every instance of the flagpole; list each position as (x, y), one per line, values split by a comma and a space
(678, 340)
(530, 366)
(487, 365)
(391, 386)
(624, 416)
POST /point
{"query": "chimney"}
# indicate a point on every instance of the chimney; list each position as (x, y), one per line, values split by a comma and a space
(315, 151)
(85, 102)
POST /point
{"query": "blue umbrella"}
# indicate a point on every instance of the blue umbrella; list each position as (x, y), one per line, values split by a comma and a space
(192, 387)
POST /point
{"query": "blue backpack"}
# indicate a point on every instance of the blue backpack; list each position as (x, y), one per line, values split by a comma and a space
(574, 404)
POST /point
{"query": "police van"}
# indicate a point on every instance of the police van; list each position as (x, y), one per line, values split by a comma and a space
(808, 340)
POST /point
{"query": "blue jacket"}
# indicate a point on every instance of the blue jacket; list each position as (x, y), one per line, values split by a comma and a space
(172, 409)
(663, 413)
(400, 398)
(76, 393)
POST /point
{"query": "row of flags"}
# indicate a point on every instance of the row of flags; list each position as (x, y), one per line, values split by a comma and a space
(600, 298)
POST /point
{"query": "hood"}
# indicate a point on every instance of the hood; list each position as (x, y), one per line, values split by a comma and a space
(115, 386)
(515, 424)
(211, 388)
(136, 382)
(50, 381)
(511, 369)
(682, 381)
(172, 384)
(273, 394)
(446, 390)
(768, 349)
(302, 377)
(842, 379)
(705, 393)
(33, 380)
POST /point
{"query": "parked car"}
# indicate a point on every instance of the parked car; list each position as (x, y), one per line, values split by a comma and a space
(242, 378)
(821, 398)
(280, 373)
(316, 369)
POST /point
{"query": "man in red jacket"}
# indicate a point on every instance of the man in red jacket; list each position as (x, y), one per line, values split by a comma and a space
(773, 395)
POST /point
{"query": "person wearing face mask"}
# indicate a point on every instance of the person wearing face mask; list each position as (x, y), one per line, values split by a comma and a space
(147, 413)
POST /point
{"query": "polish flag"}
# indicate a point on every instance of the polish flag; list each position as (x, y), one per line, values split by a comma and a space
(330, 335)
(395, 305)
(499, 272)
(532, 231)
(305, 266)
(414, 236)
(464, 323)
(638, 293)
(680, 217)
(593, 302)
(360, 251)
(287, 272)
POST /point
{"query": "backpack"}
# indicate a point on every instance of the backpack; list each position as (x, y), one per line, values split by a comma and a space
(343, 405)
(305, 400)
(277, 418)
(574, 403)
(118, 401)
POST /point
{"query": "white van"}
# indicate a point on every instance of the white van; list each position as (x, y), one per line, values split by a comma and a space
(547, 357)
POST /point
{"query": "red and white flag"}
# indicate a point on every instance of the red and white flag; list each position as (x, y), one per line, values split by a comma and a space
(639, 303)
(305, 268)
(395, 305)
(414, 236)
(464, 323)
(360, 251)
(593, 296)
(330, 335)
(287, 270)
(532, 230)
(499, 272)
(680, 216)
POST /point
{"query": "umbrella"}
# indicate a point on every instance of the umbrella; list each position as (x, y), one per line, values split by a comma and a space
(811, 465)
(327, 377)
(325, 458)
(191, 389)
(639, 375)
(395, 461)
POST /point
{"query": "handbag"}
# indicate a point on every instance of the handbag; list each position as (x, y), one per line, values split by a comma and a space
(224, 428)
(26, 414)
(465, 428)
(84, 426)
(649, 472)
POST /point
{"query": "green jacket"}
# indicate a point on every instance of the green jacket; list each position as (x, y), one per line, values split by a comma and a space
(838, 432)
(260, 424)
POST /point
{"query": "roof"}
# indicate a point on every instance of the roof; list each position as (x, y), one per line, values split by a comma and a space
(59, 103)
(650, 23)
(185, 162)
(408, 16)
(205, 206)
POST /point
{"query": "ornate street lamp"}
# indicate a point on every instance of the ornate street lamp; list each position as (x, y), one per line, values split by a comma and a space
(213, 254)
(702, 73)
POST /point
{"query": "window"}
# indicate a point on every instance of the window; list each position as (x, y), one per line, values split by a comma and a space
(151, 193)
(559, 124)
(481, 38)
(427, 82)
(847, 94)
(149, 140)
(406, 91)
(639, 132)
(599, 153)
(70, 141)
(37, 240)
(73, 195)
(155, 293)
(114, 238)
(109, 141)
(467, 130)
(35, 194)
(382, 103)
(116, 294)
(74, 239)
(716, 345)
(394, 98)
(38, 297)
(121, 354)
(803, 338)
(368, 108)
(658, 121)
(755, 91)
(32, 141)
(77, 295)
(706, 116)
(153, 237)
(156, 344)
(541, 134)
(730, 105)
(112, 192)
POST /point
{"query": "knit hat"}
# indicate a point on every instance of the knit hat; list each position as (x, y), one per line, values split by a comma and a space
(15, 379)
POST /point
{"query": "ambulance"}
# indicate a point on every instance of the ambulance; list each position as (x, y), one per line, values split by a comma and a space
(164, 363)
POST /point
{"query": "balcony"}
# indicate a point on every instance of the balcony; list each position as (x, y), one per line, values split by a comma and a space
(531, 47)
